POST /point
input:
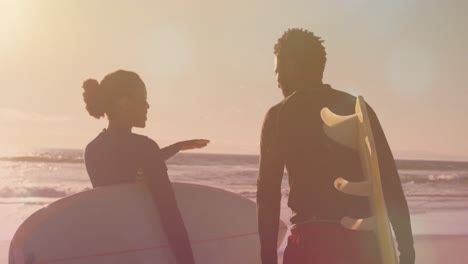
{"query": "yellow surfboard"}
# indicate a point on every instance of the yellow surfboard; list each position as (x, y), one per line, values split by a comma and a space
(355, 131)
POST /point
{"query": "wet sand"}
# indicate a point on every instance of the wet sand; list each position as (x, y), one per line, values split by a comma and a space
(440, 249)
(430, 249)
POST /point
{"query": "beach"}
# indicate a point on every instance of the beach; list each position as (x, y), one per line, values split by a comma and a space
(438, 249)
(4, 246)
(430, 249)
(436, 193)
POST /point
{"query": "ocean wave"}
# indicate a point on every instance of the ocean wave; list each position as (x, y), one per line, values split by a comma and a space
(445, 177)
(247, 162)
(438, 195)
(253, 194)
(428, 165)
(440, 177)
(43, 159)
(248, 194)
(38, 191)
(40, 203)
(46, 155)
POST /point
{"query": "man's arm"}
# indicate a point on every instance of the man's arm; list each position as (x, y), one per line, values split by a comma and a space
(269, 189)
(393, 192)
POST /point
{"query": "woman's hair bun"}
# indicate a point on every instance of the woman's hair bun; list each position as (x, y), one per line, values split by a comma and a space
(90, 84)
(93, 98)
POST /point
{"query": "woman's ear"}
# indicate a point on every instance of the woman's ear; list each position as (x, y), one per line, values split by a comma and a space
(123, 103)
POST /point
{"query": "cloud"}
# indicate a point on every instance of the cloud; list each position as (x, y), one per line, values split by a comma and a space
(9, 114)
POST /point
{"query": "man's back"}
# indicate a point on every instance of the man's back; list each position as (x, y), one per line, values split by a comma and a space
(314, 161)
(293, 137)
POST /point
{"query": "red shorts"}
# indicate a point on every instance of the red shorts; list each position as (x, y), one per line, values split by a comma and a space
(326, 243)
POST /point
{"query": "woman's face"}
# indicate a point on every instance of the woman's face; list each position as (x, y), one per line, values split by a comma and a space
(136, 107)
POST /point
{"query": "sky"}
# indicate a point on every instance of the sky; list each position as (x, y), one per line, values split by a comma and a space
(208, 67)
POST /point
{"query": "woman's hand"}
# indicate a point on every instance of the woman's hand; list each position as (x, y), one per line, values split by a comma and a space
(192, 144)
(171, 150)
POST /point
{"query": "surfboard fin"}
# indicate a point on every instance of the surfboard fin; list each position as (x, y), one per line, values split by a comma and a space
(353, 188)
(341, 129)
(366, 224)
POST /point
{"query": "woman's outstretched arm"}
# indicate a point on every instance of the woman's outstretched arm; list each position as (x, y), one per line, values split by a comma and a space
(171, 150)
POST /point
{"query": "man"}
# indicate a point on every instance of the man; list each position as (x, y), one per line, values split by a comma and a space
(293, 137)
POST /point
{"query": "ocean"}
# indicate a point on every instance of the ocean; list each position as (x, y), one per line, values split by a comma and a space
(437, 191)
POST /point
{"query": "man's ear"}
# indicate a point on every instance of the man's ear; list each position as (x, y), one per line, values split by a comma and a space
(289, 65)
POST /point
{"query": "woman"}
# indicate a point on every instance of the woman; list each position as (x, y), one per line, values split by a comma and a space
(118, 156)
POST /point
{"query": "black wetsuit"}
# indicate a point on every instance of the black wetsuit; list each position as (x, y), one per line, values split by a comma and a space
(293, 136)
(117, 157)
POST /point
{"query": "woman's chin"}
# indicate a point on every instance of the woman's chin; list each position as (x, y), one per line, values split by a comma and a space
(141, 125)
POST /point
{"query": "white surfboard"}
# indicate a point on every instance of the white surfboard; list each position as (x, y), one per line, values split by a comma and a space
(120, 224)
(355, 131)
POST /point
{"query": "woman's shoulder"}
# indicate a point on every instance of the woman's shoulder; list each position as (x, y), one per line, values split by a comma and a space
(105, 138)
(145, 141)
(94, 143)
(149, 151)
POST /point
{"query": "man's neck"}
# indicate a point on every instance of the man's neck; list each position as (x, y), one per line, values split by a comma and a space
(310, 84)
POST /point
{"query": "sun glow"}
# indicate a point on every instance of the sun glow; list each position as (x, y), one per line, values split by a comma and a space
(13, 15)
